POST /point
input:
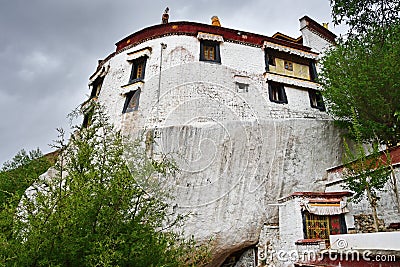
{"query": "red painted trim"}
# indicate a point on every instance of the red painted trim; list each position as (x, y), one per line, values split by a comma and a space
(394, 156)
(323, 194)
(192, 28)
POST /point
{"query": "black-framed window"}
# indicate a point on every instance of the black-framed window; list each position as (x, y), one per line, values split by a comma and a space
(96, 87)
(316, 99)
(209, 51)
(313, 71)
(131, 101)
(138, 69)
(277, 93)
(87, 118)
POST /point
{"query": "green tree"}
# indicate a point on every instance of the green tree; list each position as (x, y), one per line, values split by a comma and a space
(365, 15)
(361, 73)
(95, 211)
(366, 173)
(16, 176)
(19, 173)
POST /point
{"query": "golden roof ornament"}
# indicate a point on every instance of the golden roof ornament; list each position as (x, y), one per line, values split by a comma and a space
(215, 21)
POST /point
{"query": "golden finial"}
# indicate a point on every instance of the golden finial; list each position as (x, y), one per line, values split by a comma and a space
(215, 21)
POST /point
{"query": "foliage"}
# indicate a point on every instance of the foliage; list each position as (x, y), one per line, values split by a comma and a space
(365, 174)
(95, 211)
(365, 15)
(19, 173)
(361, 74)
(15, 177)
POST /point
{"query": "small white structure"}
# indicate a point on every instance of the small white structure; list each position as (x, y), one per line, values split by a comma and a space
(309, 217)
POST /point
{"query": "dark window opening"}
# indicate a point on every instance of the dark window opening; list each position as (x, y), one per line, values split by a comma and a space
(242, 87)
(316, 99)
(269, 59)
(131, 101)
(87, 118)
(313, 71)
(96, 87)
(209, 51)
(138, 69)
(277, 93)
(248, 254)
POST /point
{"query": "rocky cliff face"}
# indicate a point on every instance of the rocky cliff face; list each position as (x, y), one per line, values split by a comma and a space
(232, 171)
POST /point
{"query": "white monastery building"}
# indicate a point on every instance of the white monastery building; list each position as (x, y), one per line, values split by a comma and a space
(242, 115)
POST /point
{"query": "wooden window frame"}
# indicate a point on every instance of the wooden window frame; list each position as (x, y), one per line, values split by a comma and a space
(96, 87)
(316, 99)
(138, 69)
(131, 101)
(288, 65)
(87, 118)
(205, 45)
(312, 222)
(313, 71)
(269, 59)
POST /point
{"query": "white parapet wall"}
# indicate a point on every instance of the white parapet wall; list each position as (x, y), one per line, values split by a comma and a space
(371, 241)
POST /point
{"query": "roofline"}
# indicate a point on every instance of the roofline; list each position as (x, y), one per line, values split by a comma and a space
(281, 36)
(394, 157)
(192, 29)
(338, 194)
(319, 29)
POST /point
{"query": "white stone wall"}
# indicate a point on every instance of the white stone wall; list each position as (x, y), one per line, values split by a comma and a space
(313, 40)
(185, 80)
(290, 223)
(247, 60)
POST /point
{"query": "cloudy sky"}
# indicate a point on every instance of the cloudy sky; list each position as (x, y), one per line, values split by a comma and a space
(49, 48)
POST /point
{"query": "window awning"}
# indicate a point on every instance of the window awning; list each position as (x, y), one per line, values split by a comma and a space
(326, 208)
(290, 50)
(291, 81)
(99, 73)
(210, 37)
(145, 52)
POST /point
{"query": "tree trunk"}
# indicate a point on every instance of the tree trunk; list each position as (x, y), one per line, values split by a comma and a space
(372, 202)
